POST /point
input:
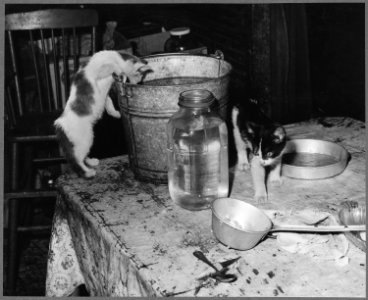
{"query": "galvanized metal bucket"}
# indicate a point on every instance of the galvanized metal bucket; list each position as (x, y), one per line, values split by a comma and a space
(146, 108)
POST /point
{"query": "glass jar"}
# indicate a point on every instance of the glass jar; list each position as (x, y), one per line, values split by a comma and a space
(198, 170)
(179, 40)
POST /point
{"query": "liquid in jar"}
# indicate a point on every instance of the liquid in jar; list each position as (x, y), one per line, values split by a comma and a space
(197, 155)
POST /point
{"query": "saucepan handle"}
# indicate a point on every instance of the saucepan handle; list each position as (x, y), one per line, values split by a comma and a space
(218, 55)
(304, 228)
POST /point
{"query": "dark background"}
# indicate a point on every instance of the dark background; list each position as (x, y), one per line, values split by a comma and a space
(298, 60)
(335, 42)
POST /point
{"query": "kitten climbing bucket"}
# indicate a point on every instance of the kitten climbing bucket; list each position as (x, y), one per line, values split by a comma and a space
(147, 107)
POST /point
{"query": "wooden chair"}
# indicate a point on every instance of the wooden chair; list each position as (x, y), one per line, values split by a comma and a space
(43, 49)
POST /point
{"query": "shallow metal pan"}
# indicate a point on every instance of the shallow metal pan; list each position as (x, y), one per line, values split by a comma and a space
(313, 159)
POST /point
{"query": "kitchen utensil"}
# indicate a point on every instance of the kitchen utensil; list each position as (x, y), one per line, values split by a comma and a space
(241, 225)
(219, 275)
(313, 159)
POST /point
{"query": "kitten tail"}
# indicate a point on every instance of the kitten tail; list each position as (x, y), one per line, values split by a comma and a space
(234, 115)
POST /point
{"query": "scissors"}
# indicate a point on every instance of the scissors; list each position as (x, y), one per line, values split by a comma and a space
(219, 275)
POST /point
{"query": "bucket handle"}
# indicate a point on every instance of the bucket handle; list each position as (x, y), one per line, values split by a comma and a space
(125, 90)
(218, 55)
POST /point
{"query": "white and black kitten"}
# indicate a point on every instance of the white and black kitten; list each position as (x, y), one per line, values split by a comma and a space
(89, 96)
(259, 143)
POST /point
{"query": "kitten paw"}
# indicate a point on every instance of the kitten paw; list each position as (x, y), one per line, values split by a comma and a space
(90, 173)
(115, 114)
(261, 199)
(92, 162)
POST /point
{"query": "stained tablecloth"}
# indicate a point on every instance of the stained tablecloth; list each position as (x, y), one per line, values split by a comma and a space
(122, 237)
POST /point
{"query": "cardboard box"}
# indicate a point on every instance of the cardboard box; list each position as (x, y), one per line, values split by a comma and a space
(149, 44)
(154, 43)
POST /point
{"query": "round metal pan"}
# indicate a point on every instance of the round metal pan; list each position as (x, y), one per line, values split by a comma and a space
(313, 159)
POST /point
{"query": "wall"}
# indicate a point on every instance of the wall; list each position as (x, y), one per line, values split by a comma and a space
(337, 45)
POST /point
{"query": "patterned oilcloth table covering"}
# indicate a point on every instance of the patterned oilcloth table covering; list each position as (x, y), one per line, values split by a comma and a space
(102, 261)
(101, 232)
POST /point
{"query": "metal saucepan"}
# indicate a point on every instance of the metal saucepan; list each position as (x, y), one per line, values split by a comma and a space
(241, 225)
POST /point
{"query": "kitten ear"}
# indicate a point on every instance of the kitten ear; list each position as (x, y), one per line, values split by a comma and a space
(251, 128)
(139, 74)
(279, 134)
(145, 69)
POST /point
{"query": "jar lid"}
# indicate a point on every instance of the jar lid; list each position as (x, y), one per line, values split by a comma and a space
(180, 31)
(197, 98)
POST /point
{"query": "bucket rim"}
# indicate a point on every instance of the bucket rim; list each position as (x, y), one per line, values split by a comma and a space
(173, 54)
(178, 54)
(205, 79)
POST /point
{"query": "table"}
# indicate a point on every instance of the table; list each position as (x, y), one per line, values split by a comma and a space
(122, 237)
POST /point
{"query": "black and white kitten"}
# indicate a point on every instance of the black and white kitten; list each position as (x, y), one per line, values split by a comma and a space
(86, 103)
(259, 143)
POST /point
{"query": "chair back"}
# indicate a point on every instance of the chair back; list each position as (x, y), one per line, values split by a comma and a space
(43, 50)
